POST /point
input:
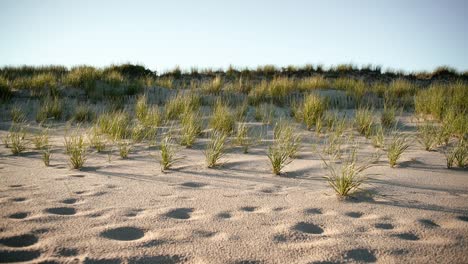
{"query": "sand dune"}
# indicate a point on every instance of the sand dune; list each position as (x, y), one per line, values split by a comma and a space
(127, 211)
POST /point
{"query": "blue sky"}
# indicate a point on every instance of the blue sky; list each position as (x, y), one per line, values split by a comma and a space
(401, 34)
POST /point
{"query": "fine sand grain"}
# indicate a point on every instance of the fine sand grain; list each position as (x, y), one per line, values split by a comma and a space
(128, 211)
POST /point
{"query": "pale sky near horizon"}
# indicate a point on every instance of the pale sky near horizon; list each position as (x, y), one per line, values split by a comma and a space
(401, 34)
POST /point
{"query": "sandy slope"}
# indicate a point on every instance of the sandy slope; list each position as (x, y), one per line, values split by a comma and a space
(127, 211)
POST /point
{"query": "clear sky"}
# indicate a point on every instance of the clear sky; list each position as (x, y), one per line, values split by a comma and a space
(401, 34)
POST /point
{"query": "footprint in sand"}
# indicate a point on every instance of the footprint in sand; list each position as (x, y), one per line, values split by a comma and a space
(360, 255)
(428, 223)
(19, 215)
(354, 214)
(224, 215)
(9, 256)
(249, 209)
(193, 184)
(102, 261)
(308, 228)
(407, 236)
(18, 199)
(279, 209)
(77, 176)
(123, 233)
(25, 240)
(69, 201)
(203, 233)
(180, 213)
(61, 211)
(133, 212)
(313, 211)
(248, 261)
(167, 259)
(66, 252)
(385, 226)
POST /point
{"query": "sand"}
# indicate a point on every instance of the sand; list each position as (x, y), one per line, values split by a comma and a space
(128, 211)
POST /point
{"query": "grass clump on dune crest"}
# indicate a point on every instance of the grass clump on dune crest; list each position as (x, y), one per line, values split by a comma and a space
(214, 86)
(215, 149)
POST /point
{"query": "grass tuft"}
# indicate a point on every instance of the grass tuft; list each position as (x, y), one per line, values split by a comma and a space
(17, 141)
(168, 153)
(395, 148)
(346, 177)
(215, 149)
(364, 121)
(76, 150)
(223, 120)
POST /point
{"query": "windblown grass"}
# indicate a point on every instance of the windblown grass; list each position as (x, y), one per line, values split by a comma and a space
(5, 90)
(428, 136)
(190, 129)
(244, 138)
(115, 124)
(18, 114)
(398, 144)
(168, 153)
(284, 148)
(124, 148)
(312, 108)
(214, 86)
(50, 108)
(17, 141)
(41, 140)
(46, 156)
(96, 139)
(388, 117)
(76, 150)
(222, 120)
(364, 121)
(215, 149)
(347, 176)
(83, 113)
(141, 108)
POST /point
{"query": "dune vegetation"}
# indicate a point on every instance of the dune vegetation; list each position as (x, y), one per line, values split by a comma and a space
(129, 107)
